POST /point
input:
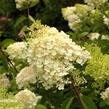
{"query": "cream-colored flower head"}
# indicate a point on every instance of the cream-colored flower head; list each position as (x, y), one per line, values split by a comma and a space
(95, 3)
(68, 11)
(69, 15)
(105, 95)
(25, 77)
(17, 50)
(27, 98)
(74, 14)
(22, 4)
(52, 54)
(93, 36)
(4, 81)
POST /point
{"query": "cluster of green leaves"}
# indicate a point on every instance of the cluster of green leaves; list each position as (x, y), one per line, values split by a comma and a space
(8, 30)
(94, 21)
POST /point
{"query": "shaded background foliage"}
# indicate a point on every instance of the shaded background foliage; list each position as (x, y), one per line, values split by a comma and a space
(48, 11)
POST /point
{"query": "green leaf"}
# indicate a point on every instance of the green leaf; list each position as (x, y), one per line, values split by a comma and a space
(88, 102)
(20, 20)
(25, 28)
(13, 85)
(70, 33)
(40, 106)
(7, 42)
(67, 103)
(83, 34)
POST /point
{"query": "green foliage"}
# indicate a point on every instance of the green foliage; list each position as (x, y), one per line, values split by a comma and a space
(94, 23)
(103, 105)
(2, 69)
(49, 11)
(104, 44)
(88, 102)
(83, 34)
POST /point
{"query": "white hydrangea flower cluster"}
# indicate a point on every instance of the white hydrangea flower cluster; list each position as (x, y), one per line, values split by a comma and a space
(4, 81)
(106, 20)
(27, 98)
(24, 3)
(105, 95)
(93, 36)
(74, 14)
(25, 77)
(17, 50)
(95, 3)
(52, 55)
(73, 19)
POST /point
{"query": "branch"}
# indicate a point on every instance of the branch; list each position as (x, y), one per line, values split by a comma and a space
(10, 62)
(28, 13)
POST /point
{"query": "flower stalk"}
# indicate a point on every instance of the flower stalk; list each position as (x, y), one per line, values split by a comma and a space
(78, 95)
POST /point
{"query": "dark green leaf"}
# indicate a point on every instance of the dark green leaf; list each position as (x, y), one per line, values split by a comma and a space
(67, 103)
(20, 20)
(2, 69)
(4, 61)
(39, 106)
(88, 102)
